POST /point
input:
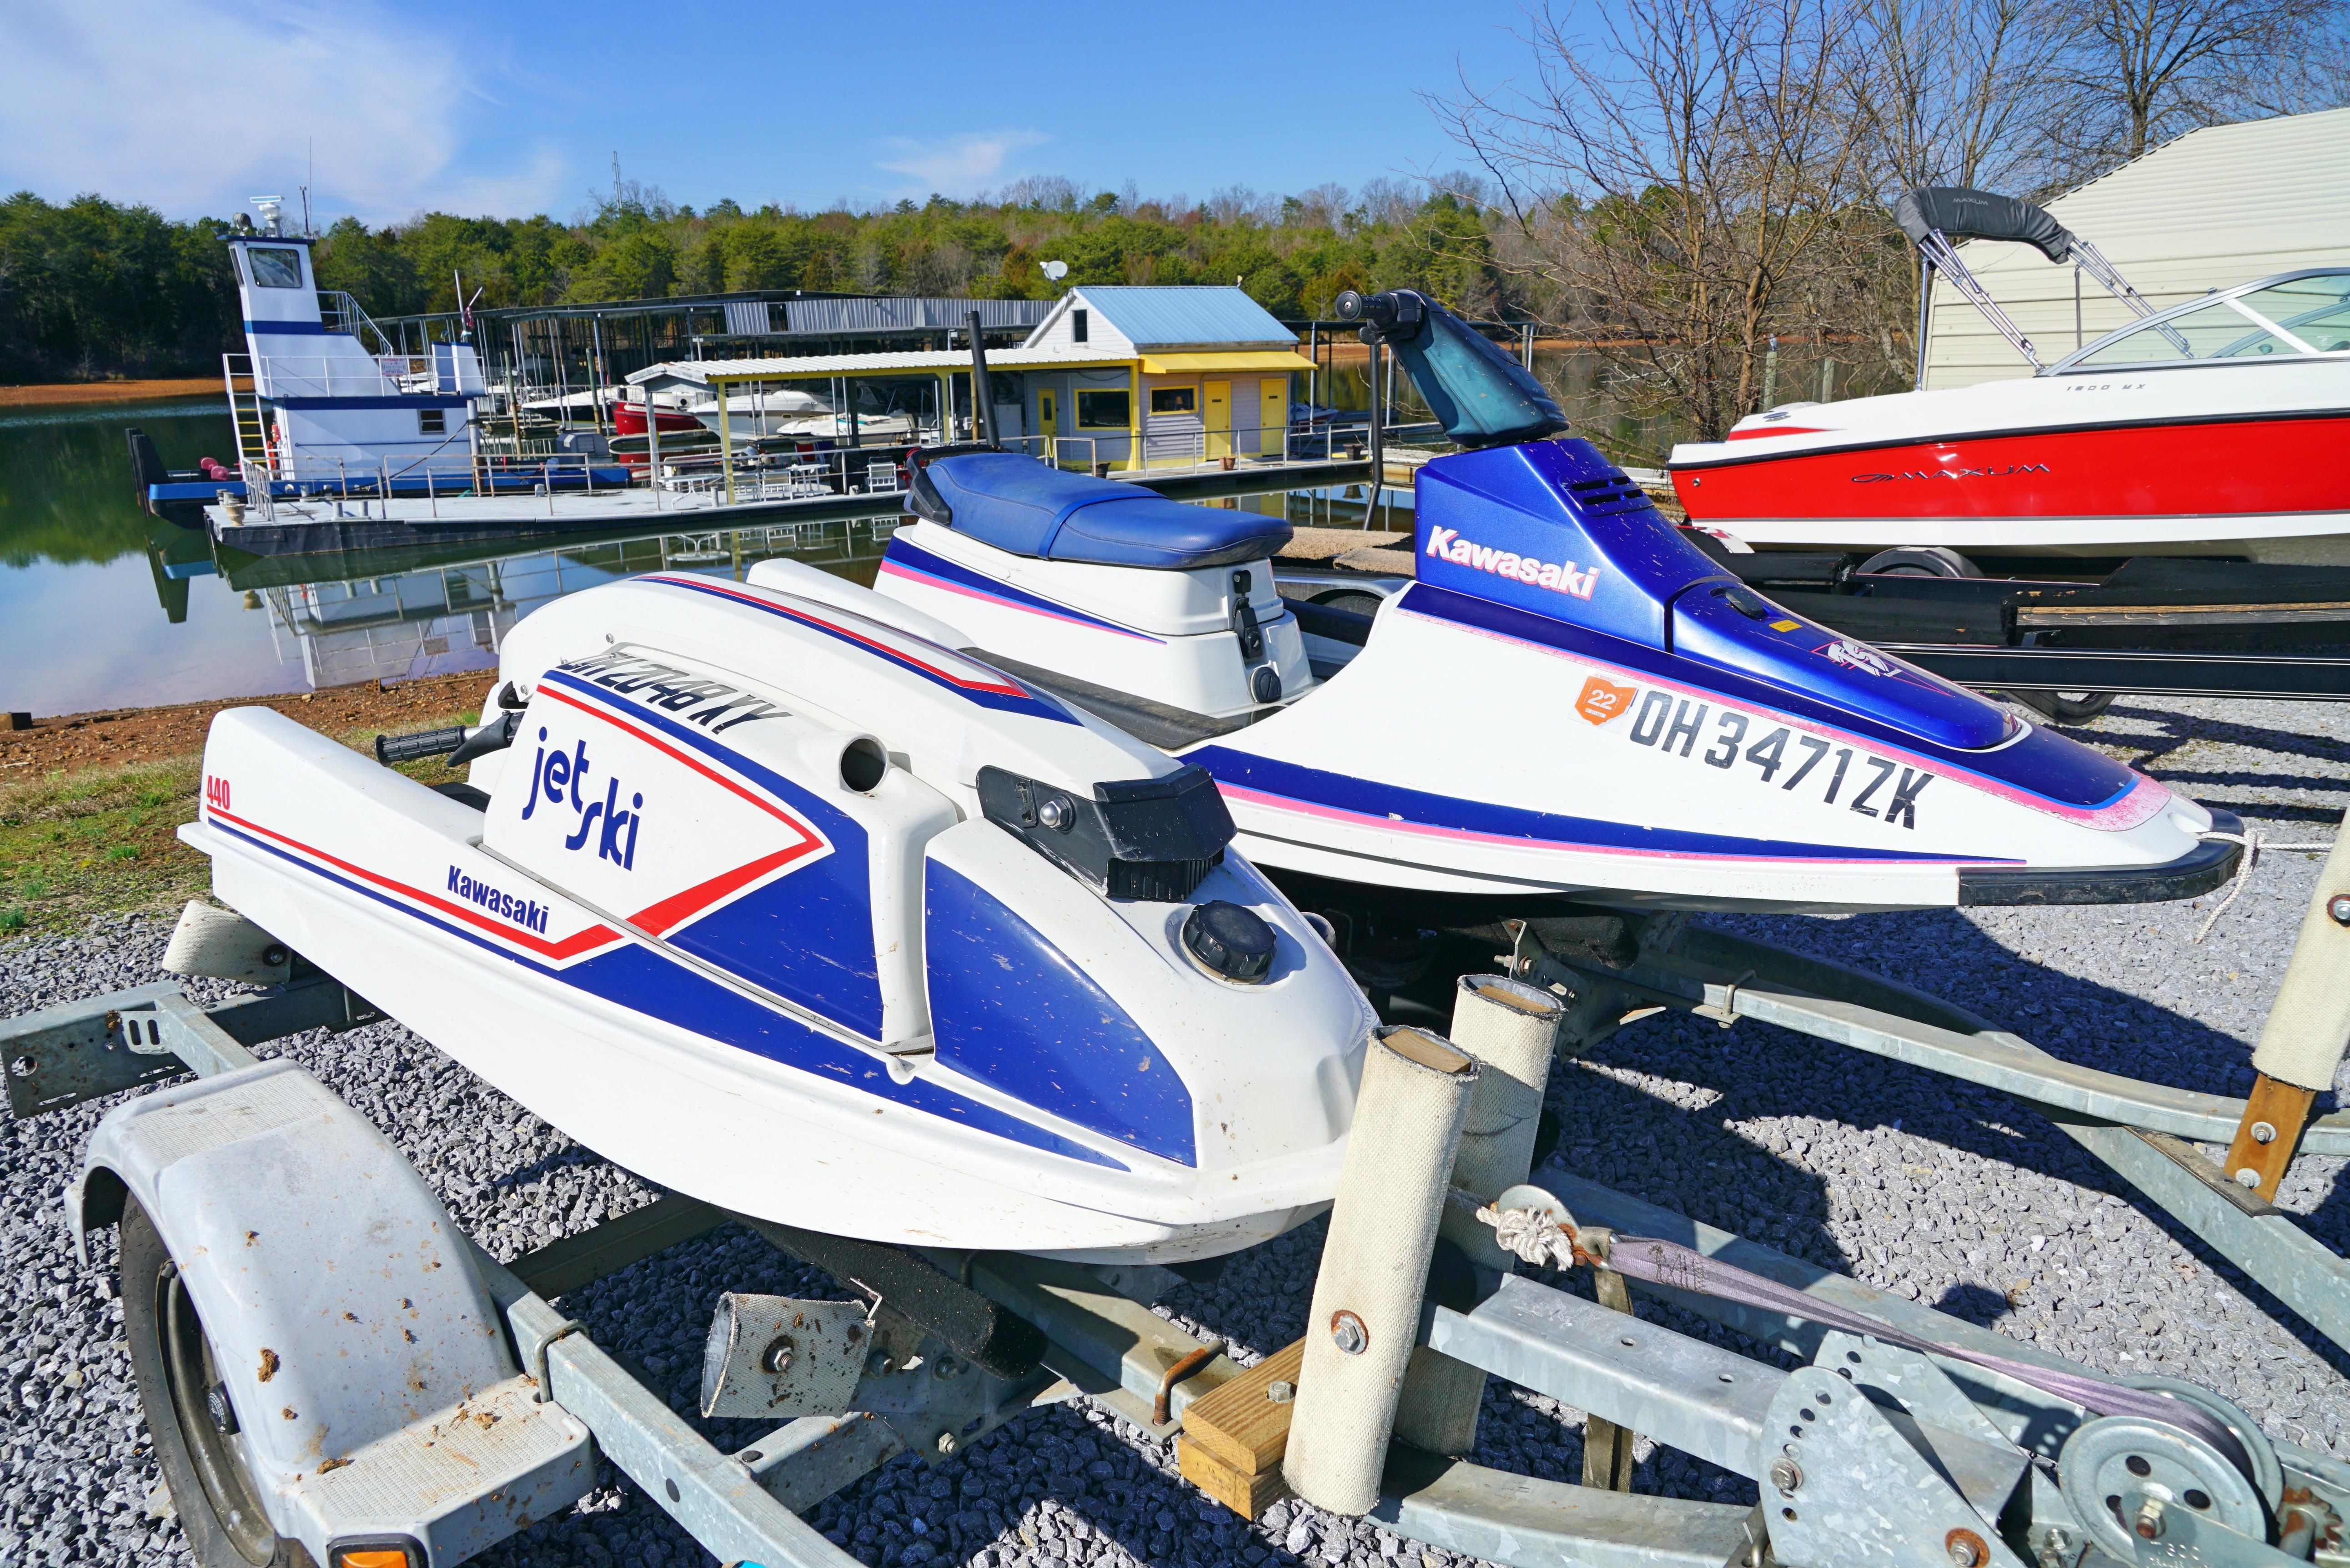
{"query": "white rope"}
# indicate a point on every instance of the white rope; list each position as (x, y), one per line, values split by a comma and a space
(2254, 844)
(1535, 1238)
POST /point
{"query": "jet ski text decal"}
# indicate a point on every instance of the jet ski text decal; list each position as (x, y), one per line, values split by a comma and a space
(1674, 726)
(1446, 544)
(713, 704)
(552, 772)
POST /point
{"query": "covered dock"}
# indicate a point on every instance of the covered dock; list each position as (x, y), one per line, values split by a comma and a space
(1113, 379)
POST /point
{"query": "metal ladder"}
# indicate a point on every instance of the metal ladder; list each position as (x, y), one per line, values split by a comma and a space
(245, 412)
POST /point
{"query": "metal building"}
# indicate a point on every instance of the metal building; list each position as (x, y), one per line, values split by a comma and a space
(2215, 208)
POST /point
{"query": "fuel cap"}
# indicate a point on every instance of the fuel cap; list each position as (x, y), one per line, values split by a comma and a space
(1229, 941)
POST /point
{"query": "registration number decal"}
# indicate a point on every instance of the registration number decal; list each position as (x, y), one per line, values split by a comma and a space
(1857, 778)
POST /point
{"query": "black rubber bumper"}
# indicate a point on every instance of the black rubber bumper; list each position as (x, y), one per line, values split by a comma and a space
(2207, 866)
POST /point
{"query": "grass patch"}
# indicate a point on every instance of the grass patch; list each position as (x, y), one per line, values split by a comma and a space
(104, 841)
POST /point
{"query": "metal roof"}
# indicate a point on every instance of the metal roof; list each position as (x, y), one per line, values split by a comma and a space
(822, 315)
(926, 361)
(2212, 209)
(1189, 318)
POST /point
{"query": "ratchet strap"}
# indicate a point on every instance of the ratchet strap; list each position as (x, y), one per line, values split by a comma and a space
(1541, 1240)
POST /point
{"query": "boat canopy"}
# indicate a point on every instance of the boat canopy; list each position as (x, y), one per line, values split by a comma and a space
(1934, 216)
(1959, 214)
(2289, 315)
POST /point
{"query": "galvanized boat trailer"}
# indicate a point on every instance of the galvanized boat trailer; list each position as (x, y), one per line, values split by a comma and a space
(324, 1359)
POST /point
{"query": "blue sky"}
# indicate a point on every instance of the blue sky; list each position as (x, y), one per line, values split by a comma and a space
(195, 106)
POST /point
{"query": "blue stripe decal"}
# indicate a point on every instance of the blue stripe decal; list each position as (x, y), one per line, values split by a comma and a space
(1012, 1011)
(2041, 763)
(1022, 697)
(1418, 808)
(827, 965)
(914, 558)
(642, 980)
(403, 400)
(293, 329)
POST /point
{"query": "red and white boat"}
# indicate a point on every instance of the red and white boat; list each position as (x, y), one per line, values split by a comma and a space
(629, 420)
(2219, 427)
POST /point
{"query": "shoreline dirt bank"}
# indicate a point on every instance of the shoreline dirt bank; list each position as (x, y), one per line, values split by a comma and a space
(64, 394)
(117, 736)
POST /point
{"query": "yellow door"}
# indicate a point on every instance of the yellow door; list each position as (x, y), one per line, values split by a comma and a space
(1218, 419)
(1273, 406)
(1048, 425)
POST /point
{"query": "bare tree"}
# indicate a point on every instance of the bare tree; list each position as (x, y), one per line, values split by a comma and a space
(1958, 92)
(1692, 183)
(2142, 71)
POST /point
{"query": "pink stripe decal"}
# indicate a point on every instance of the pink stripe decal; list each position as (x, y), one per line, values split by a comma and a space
(1393, 825)
(968, 680)
(2143, 800)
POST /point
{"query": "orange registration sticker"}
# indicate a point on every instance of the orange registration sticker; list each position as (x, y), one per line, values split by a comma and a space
(1602, 699)
(1785, 625)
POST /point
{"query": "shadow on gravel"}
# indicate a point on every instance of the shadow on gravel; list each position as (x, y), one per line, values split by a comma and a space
(1756, 1071)
(2170, 730)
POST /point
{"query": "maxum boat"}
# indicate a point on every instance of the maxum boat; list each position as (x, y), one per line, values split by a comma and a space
(2200, 430)
(799, 912)
(1570, 706)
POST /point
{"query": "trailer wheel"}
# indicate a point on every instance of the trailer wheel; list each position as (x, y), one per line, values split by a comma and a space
(1921, 561)
(188, 1413)
(2066, 707)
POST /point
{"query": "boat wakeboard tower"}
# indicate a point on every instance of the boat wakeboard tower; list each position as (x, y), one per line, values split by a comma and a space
(2192, 431)
(1571, 708)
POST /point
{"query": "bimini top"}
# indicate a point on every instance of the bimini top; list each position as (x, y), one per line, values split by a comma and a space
(1016, 503)
(1963, 214)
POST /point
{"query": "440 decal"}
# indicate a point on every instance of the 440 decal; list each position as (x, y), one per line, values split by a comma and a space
(1676, 726)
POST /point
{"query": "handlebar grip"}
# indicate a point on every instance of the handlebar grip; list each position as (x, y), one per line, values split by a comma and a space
(393, 750)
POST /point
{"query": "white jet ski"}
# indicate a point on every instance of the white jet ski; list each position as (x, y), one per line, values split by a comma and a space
(1569, 703)
(800, 913)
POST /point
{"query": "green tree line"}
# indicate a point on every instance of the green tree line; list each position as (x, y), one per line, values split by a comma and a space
(94, 289)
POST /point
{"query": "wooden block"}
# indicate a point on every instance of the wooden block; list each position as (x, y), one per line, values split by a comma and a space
(1246, 1494)
(1237, 1425)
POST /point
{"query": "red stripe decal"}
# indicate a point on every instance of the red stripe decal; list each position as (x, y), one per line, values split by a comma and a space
(1001, 688)
(569, 947)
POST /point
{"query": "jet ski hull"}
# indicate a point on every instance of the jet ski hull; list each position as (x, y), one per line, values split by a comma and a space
(1573, 704)
(1604, 781)
(841, 1008)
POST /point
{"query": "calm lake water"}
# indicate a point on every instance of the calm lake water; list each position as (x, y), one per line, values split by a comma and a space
(104, 607)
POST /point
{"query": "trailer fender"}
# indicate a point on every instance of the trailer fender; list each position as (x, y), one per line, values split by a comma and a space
(340, 1298)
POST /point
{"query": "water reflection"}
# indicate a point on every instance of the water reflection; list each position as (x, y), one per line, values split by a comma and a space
(102, 605)
(381, 624)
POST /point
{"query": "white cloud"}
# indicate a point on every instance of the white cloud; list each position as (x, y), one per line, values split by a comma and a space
(194, 106)
(961, 164)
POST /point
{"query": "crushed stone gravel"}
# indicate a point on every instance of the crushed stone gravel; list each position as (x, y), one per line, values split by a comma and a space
(1947, 1194)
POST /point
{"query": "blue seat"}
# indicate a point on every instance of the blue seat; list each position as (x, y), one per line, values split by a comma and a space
(1018, 504)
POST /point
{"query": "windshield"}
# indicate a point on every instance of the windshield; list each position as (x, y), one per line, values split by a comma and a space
(2291, 316)
(274, 268)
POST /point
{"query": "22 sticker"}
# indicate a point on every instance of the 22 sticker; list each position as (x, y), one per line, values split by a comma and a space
(1856, 777)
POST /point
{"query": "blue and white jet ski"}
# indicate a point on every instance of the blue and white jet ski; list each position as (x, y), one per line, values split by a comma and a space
(1569, 703)
(799, 912)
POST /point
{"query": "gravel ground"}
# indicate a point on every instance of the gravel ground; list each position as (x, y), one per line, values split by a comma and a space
(1947, 1194)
